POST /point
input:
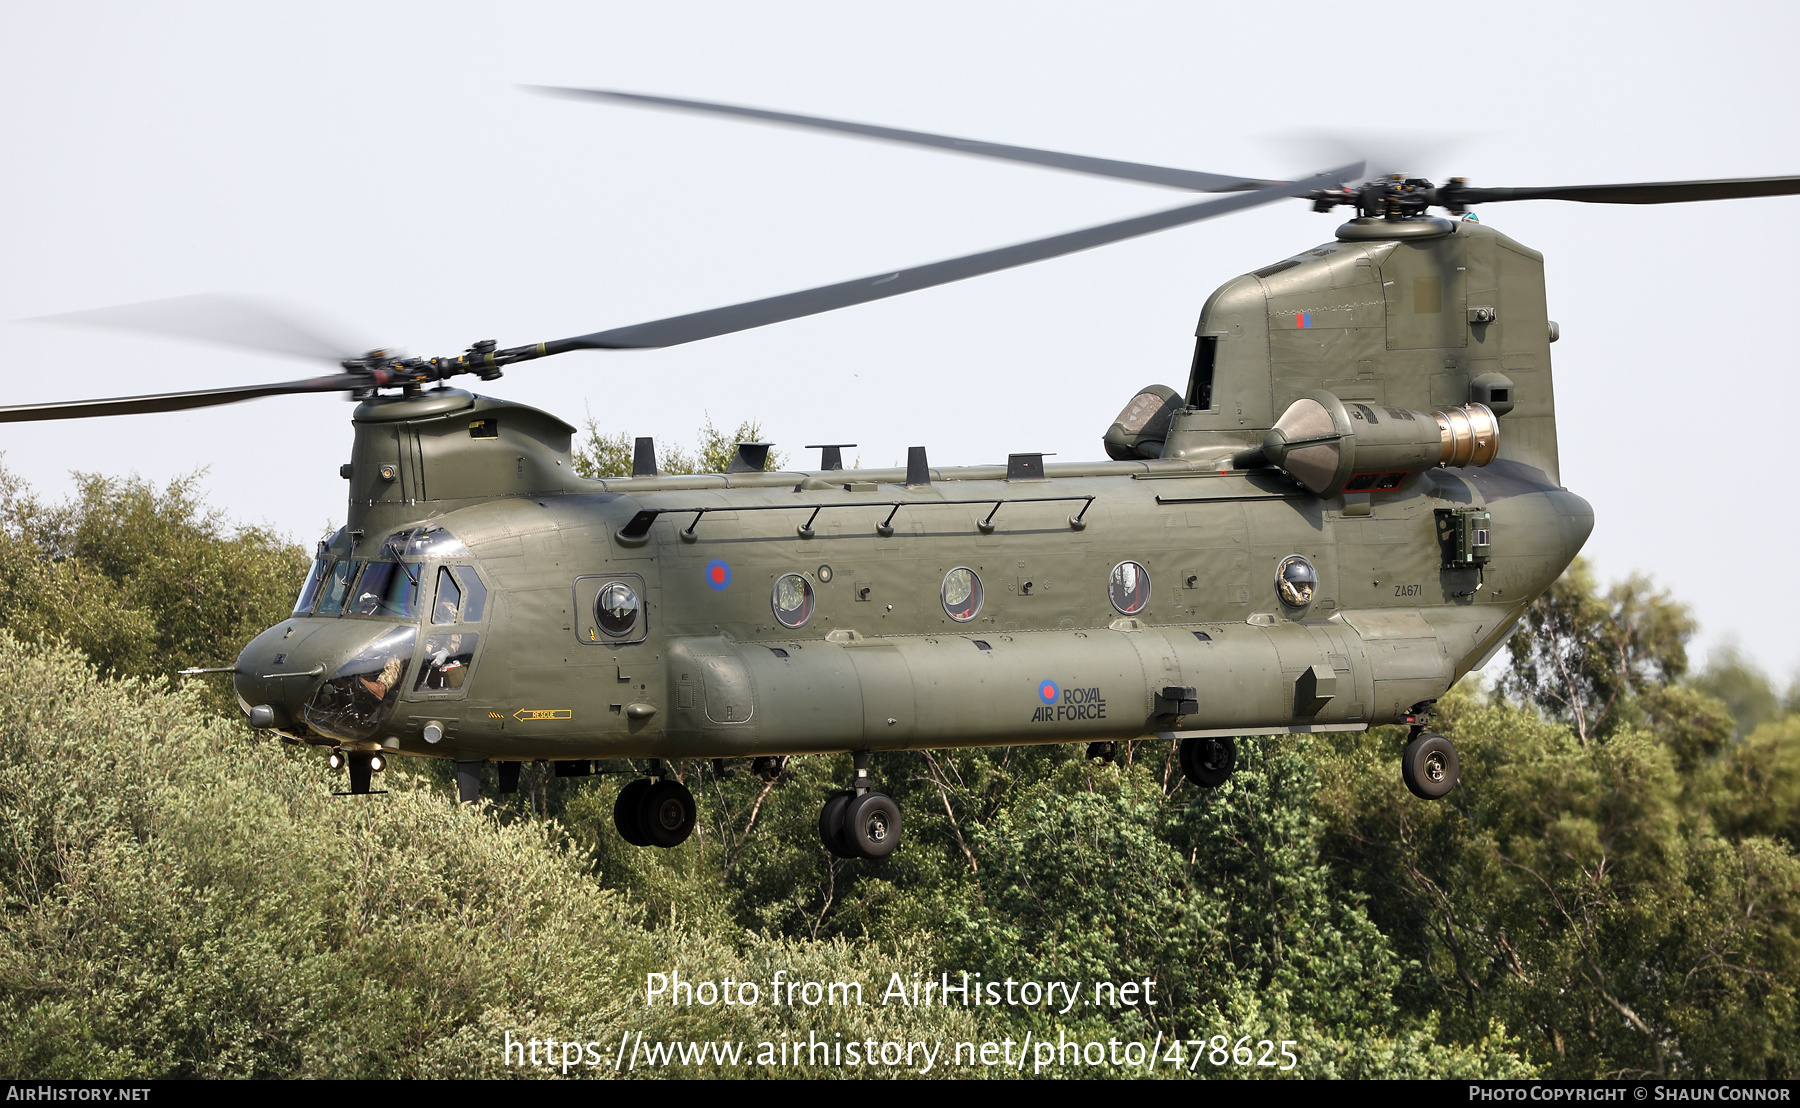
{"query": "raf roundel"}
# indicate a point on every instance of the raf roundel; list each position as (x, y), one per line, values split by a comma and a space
(1048, 692)
(718, 575)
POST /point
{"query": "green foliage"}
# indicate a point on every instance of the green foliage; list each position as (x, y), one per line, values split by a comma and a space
(1742, 686)
(1755, 788)
(609, 455)
(1582, 657)
(183, 900)
(1568, 892)
(1612, 890)
(143, 582)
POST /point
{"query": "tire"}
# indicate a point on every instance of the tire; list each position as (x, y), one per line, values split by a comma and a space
(831, 823)
(1429, 767)
(872, 825)
(1208, 762)
(668, 813)
(628, 813)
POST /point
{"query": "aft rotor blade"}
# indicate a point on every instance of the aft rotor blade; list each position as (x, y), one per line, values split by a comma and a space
(1653, 192)
(1193, 180)
(232, 321)
(177, 401)
(793, 305)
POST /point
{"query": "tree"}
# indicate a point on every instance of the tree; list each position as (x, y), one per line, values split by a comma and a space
(1581, 656)
(1742, 685)
(1579, 894)
(609, 455)
(144, 582)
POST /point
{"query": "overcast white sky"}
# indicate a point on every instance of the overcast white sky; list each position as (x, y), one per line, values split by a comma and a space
(377, 163)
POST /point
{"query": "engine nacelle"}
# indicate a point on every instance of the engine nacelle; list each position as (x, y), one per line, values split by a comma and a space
(1331, 446)
(1142, 427)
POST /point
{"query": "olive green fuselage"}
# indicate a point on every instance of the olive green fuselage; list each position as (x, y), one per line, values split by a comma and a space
(706, 669)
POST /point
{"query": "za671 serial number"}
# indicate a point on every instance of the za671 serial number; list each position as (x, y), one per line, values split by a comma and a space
(1221, 1051)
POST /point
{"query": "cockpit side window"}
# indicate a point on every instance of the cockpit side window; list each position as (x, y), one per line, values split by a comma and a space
(449, 597)
(447, 663)
(475, 592)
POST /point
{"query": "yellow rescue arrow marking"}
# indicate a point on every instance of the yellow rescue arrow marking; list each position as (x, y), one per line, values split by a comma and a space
(543, 713)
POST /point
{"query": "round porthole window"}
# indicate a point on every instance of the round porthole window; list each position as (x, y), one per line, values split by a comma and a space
(793, 600)
(1129, 587)
(1296, 581)
(616, 609)
(962, 594)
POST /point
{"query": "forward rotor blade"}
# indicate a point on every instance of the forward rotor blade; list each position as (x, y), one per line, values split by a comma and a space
(176, 401)
(1189, 179)
(793, 305)
(1654, 192)
(228, 320)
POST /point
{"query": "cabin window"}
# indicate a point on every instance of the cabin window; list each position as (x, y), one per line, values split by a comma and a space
(793, 600)
(962, 594)
(616, 609)
(1129, 587)
(1296, 581)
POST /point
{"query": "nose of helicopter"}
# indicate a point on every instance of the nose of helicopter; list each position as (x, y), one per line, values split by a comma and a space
(340, 678)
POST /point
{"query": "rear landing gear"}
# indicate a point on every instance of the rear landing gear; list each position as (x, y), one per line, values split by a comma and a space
(627, 815)
(858, 822)
(1208, 762)
(655, 811)
(831, 823)
(871, 826)
(1429, 766)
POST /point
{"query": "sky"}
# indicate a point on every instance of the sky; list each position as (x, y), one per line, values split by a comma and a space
(378, 165)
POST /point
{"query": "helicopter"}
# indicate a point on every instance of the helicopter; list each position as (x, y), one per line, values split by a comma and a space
(1350, 504)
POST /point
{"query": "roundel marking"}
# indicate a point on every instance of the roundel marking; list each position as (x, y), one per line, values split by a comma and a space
(1048, 692)
(718, 574)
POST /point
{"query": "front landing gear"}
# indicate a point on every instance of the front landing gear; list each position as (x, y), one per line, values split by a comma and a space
(1429, 766)
(363, 767)
(858, 822)
(655, 811)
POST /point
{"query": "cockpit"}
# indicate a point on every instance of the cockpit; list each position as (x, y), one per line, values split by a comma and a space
(422, 574)
(389, 585)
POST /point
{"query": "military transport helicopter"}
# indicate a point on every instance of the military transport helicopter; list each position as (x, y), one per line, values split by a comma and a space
(1350, 505)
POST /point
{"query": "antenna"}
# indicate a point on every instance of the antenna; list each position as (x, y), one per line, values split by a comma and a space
(832, 456)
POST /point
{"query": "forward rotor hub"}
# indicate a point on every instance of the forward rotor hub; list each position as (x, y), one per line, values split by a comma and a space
(1394, 197)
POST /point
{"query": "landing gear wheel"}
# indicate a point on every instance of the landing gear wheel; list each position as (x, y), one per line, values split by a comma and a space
(668, 813)
(831, 823)
(1429, 767)
(627, 812)
(1208, 762)
(872, 825)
